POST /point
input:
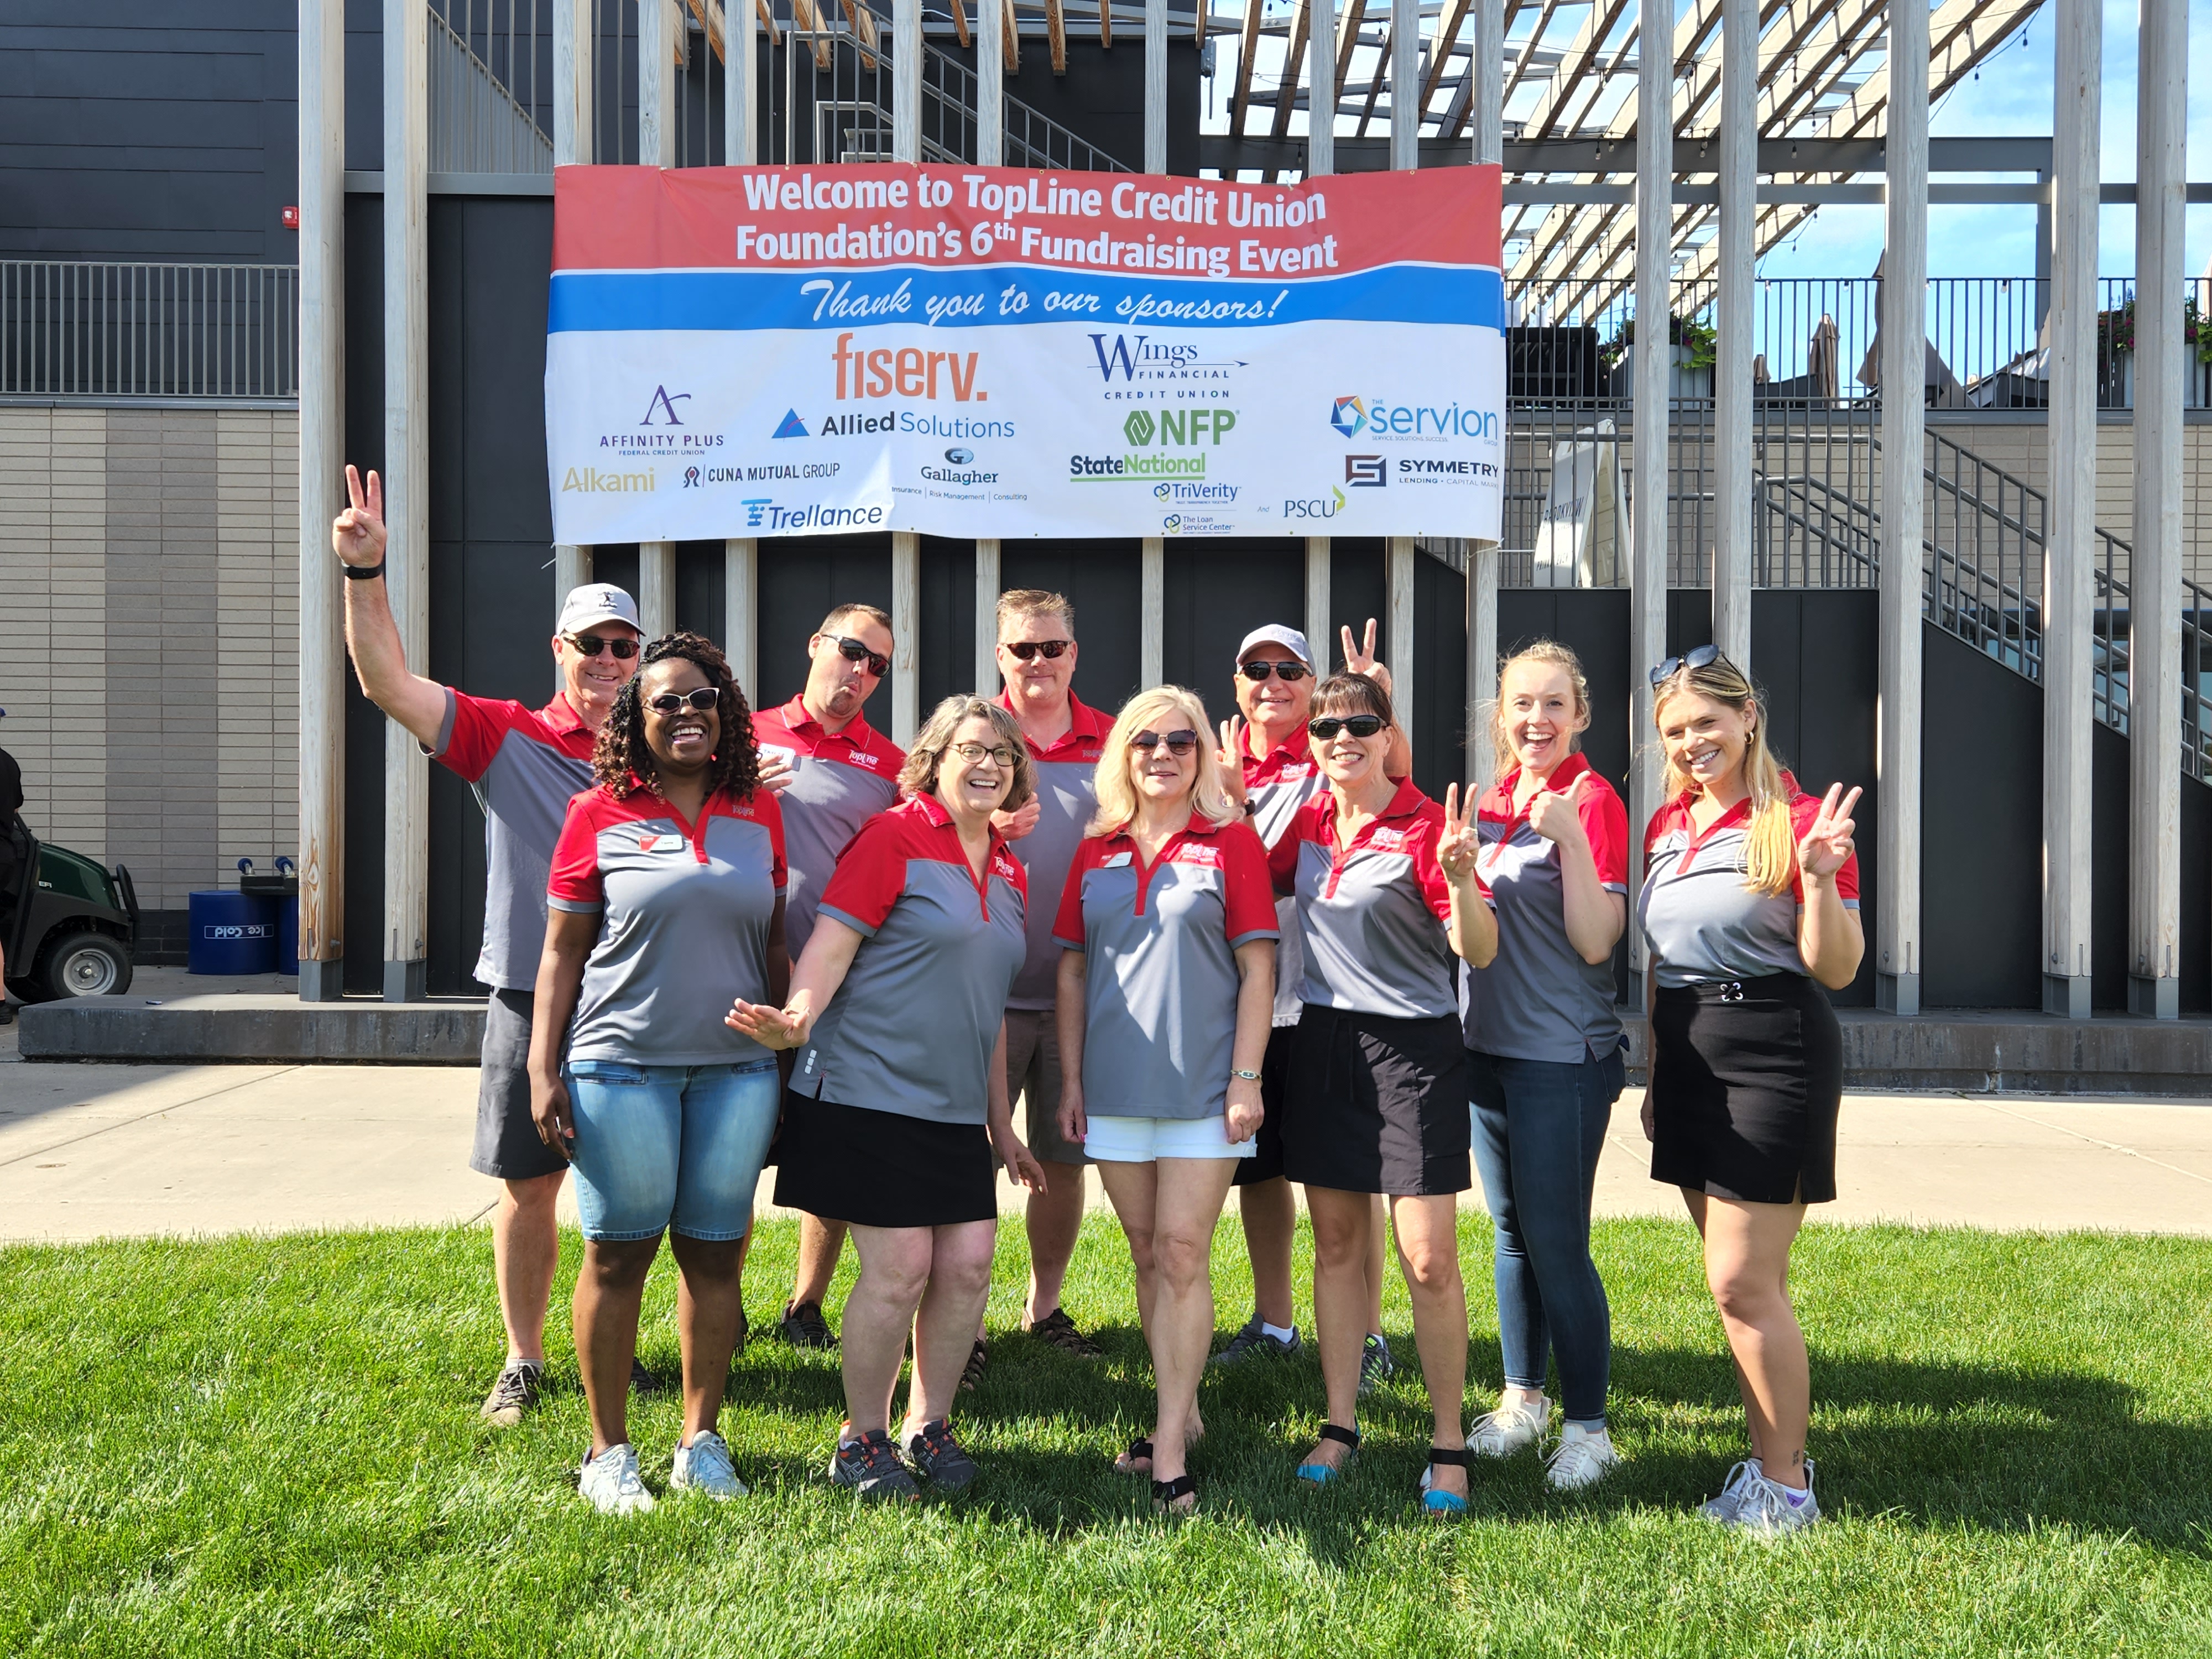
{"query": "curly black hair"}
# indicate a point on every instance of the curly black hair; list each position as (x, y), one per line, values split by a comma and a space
(623, 759)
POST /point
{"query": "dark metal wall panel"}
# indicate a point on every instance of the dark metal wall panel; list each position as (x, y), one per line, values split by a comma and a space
(1438, 697)
(364, 722)
(2195, 897)
(802, 578)
(1214, 593)
(1104, 582)
(945, 654)
(701, 583)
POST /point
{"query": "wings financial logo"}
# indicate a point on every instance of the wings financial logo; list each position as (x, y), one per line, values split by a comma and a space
(1141, 357)
(1365, 471)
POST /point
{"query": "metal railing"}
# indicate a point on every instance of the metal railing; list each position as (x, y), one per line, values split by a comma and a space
(489, 68)
(86, 330)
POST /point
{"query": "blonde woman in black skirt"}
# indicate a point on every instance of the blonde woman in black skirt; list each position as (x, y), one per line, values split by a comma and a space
(1377, 1102)
(1749, 906)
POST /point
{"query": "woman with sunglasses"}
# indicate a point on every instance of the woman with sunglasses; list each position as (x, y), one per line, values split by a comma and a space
(1166, 990)
(1749, 906)
(666, 899)
(1544, 1055)
(1387, 891)
(897, 1110)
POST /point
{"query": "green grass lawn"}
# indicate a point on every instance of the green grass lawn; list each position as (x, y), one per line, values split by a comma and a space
(270, 1446)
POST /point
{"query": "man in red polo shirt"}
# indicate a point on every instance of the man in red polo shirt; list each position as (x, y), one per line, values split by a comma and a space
(523, 764)
(1036, 659)
(832, 772)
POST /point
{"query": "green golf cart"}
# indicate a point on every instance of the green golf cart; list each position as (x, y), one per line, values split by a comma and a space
(70, 925)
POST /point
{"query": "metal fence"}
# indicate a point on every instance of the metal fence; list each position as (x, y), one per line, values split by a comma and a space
(490, 75)
(86, 330)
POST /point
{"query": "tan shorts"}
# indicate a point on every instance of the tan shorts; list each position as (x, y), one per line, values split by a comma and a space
(1033, 1074)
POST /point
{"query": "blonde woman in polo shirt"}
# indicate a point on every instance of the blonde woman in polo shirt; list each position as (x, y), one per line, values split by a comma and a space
(1749, 907)
(1166, 991)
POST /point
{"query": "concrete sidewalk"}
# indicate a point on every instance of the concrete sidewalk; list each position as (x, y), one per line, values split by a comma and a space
(91, 1151)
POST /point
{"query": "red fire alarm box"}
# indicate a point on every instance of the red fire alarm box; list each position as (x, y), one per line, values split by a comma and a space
(291, 218)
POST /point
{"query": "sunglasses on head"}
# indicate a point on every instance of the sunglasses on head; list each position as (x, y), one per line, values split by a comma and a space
(1703, 657)
(1360, 725)
(854, 651)
(592, 644)
(1177, 744)
(700, 698)
(1052, 649)
(1284, 672)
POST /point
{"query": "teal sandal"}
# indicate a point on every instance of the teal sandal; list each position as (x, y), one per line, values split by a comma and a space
(1322, 1473)
(1443, 1503)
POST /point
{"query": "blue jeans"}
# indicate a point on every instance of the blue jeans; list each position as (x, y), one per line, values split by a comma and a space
(674, 1147)
(1538, 1126)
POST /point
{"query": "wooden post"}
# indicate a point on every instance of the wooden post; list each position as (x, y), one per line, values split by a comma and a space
(2154, 572)
(1398, 647)
(1320, 96)
(1646, 598)
(573, 103)
(572, 569)
(990, 90)
(656, 84)
(656, 588)
(905, 608)
(906, 92)
(1152, 614)
(741, 613)
(1482, 556)
(1155, 85)
(1404, 89)
(322, 497)
(1319, 634)
(2070, 539)
(1732, 433)
(1900, 630)
(406, 481)
(740, 108)
(987, 618)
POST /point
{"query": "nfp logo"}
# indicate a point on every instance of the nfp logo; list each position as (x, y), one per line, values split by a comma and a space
(1183, 428)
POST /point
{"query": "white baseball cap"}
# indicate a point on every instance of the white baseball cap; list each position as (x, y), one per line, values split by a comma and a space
(596, 602)
(1276, 634)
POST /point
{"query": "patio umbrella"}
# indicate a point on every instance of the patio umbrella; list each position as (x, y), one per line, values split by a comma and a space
(1821, 355)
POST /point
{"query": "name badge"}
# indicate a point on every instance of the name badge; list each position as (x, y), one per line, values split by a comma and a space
(1117, 861)
(776, 752)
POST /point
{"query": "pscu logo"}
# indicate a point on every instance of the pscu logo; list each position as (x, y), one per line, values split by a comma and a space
(1352, 416)
(1323, 507)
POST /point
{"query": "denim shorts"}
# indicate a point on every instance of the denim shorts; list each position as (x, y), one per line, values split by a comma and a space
(674, 1147)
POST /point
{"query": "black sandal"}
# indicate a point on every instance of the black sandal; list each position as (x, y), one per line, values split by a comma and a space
(1126, 1463)
(1322, 1473)
(1165, 1492)
(1443, 1503)
(972, 1372)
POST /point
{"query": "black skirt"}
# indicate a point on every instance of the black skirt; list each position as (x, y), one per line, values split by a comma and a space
(1747, 1080)
(872, 1168)
(1377, 1105)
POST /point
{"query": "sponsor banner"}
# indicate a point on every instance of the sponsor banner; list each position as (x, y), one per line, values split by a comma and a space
(991, 352)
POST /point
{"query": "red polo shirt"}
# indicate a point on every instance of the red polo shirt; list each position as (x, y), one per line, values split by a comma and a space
(1067, 795)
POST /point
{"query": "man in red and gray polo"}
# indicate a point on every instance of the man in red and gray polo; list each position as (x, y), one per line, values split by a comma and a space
(523, 764)
(832, 772)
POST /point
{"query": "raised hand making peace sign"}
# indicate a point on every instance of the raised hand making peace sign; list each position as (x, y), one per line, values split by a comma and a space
(1460, 845)
(1360, 658)
(357, 534)
(1828, 842)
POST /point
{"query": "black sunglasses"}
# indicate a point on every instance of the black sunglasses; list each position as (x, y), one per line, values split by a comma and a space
(1284, 672)
(1051, 649)
(592, 644)
(1703, 656)
(854, 651)
(701, 698)
(1177, 744)
(1360, 725)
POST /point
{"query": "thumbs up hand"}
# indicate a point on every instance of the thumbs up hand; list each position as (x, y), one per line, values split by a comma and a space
(1556, 814)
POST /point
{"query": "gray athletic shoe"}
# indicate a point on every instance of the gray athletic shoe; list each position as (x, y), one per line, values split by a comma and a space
(1253, 1343)
(1740, 1480)
(870, 1464)
(704, 1466)
(1764, 1510)
(611, 1482)
(1376, 1365)
(515, 1392)
(933, 1452)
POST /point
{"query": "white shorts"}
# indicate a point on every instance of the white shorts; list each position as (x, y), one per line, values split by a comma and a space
(1146, 1140)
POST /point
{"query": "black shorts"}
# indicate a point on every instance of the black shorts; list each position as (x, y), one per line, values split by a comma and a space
(1267, 1164)
(1746, 1084)
(506, 1145)
(1378, 1105)
(872, 1168)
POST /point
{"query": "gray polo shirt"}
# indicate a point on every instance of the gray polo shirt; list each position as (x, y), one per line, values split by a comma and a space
(686, 913)
(1372, 916)
(913, 1028)
(839, 781)
(1276, 788)
(524, 765)
(1067, 794)
(1539, 1000)
(1701, 924)
(1160, 982)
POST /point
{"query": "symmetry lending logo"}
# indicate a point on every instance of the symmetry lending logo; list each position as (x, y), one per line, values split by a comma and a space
(1365, 471)
(1383, 420)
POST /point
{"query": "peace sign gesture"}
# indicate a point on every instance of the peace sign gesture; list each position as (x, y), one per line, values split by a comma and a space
(1360, 658)
(1231, 757)
(357, 534)
(1828, 842)
(1460, 845)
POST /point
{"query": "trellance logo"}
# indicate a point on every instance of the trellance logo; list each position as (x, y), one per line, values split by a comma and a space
(1349, 416)
(792, 427)
(1139, 427)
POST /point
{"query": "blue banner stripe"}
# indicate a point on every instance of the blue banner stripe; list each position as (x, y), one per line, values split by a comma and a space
(995, 296)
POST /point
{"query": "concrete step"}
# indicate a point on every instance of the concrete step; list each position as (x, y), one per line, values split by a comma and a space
(232, 1028)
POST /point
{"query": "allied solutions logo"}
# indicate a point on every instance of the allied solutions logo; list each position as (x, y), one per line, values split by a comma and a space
(1384, 421)
(665, 427)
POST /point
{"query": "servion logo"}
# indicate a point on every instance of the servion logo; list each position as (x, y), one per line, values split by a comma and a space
(1349, 416)
(792, 427)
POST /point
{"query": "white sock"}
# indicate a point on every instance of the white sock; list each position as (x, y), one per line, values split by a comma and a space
(1280, 1332)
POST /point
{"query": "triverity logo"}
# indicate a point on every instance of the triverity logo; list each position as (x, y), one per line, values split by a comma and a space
(1195, 492)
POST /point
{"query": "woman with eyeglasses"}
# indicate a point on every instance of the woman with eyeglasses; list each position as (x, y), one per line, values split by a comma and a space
(666, 899)
(898, 1112)
(1166, 991)
(1387, 891)
(1749, 907)
(1544, 1056)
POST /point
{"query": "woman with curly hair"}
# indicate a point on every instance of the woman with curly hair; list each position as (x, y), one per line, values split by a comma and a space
(665, 901)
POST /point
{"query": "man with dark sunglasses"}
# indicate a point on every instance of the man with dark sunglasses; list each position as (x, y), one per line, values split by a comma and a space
(832, 772)
(523, 764)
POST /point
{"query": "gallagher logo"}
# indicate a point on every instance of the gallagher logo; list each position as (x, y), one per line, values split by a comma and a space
(960, 457)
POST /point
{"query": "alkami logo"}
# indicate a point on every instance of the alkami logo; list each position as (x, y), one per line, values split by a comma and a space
(1365, 471)
(665, 406)
(590, 481)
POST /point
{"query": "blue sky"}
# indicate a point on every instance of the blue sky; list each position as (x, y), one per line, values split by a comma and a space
(2011, 96)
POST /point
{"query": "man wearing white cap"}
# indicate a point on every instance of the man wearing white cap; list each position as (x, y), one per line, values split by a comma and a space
(523, 764)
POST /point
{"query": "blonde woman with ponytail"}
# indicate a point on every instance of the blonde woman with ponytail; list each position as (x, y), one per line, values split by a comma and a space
(1749, 906)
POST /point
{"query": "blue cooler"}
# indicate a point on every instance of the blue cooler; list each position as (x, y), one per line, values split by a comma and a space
(279, 897)
(231, 932)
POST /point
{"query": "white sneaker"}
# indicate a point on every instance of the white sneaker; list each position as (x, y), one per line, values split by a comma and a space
(1740, 1480)
(1507, 1429)
(704, 1466)
(611, 1481)
(1766, 1512)
(1581, 1459)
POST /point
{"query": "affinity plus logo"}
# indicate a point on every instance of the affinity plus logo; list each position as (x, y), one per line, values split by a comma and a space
(664, 406)
(664, 426)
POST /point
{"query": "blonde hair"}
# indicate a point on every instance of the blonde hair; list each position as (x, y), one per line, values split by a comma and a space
(927, 753)
(1019, 603)
(1554, 654)
(1770, 861)
(1117, 796)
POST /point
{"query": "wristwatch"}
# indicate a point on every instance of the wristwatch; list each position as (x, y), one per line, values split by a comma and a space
(1249, 1076)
